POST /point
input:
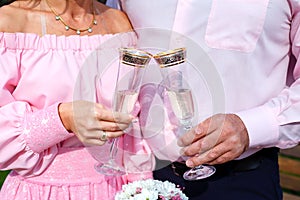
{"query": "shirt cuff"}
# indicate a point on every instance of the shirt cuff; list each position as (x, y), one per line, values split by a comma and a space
(261, 125)
(43, 129)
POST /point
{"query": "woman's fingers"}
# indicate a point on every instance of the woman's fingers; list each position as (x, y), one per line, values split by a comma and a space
(103, 114)
(98, 137)
(89, 121)
(112, 126)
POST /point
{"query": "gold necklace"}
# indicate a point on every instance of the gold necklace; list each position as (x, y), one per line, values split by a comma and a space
(68, 27)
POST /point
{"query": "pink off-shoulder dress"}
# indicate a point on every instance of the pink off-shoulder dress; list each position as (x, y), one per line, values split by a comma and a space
(36, 74)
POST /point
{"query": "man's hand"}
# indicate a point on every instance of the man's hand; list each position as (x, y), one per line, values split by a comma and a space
(218, 139)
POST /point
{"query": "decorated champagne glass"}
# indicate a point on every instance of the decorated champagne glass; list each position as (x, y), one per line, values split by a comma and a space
(132, 63)
(173, 68)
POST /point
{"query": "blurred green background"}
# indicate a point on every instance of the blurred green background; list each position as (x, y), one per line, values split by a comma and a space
(3, 174)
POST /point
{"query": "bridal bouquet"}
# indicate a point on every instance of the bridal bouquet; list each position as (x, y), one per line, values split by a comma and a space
(150, 190)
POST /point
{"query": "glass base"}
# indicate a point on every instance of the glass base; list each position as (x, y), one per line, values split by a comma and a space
(199, 172)
(109, 169)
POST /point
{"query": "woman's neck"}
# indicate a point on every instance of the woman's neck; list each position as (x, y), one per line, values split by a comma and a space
(77, 15)
(73, 10)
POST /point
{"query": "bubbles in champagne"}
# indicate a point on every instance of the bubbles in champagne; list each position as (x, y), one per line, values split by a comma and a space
(182, 103)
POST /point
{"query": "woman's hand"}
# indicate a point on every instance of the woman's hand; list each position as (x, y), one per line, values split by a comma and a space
(89, 121)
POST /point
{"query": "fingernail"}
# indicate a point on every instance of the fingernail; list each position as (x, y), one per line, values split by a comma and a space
(198, 130)
(180, 143)
(189, 163)
(128, 129)
(181, 151)
(135, 120)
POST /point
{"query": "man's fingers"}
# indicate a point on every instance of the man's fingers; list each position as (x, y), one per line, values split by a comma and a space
(186, 139)
(201, 130)
(202, 145)
(217, 155)
(193, 135)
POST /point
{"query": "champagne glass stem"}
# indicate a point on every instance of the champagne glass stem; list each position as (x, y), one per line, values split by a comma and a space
(113, 149)
(200, 171)
(187, 124)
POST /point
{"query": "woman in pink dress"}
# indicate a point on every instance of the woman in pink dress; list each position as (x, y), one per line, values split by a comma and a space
(46, 47)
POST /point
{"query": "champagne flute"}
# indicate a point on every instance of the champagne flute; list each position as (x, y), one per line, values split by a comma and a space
(131, 68)
(173, 69)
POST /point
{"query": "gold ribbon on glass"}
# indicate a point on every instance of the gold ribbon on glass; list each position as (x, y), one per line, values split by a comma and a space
(171, 57)
(134, 57)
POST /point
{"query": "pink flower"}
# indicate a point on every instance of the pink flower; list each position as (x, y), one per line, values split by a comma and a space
(138, 190)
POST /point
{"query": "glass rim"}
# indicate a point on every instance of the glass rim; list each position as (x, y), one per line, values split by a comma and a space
(171, 57)
(134, 57)
(135, 52)
(170, 52)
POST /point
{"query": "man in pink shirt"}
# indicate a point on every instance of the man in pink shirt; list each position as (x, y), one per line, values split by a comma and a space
(254, 47)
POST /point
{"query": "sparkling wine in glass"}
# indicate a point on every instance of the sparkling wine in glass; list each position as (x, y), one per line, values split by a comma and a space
(182, 105)
(131, 68)
(173, 69)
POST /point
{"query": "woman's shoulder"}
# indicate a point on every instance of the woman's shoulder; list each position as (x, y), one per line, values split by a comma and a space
(115, 20)
(12, 18)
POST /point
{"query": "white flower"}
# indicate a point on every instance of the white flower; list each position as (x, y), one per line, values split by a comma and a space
(150, 190)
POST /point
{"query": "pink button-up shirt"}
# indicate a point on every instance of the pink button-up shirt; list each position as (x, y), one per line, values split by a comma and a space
(250, 47)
